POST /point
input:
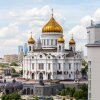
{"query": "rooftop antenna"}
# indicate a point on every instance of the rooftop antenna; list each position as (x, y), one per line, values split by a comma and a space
(91, 22)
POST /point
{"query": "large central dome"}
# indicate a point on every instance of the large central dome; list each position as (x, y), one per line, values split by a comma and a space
(52, 26)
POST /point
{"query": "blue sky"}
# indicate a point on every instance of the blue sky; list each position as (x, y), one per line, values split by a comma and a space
(19, 17)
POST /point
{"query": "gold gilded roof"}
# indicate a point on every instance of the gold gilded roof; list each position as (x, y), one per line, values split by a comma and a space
(72, 41)
(52, 26)
(60, 40)
(31, 40)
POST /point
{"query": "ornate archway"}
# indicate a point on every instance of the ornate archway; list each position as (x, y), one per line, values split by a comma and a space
(28, 90)
(41, 76)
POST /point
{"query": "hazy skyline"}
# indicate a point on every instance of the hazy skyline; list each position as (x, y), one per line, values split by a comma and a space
(19, 17)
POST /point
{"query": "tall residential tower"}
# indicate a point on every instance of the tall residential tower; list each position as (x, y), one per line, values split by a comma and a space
(93, 49)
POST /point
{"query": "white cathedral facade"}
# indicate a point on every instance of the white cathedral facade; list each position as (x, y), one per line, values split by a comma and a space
(48, 59)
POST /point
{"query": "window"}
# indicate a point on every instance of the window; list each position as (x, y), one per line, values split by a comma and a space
(49, 66)
(44, 42)
(69, 75)
(33, 47)
(41, 66)
(51, 41)
(47, 42)
(32, 65)
(59, 47)
(29, 48)
(59, 66)
(56, 42)
(69, 66)
(40, 56)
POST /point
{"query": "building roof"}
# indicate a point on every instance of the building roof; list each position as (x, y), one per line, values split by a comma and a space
(68, 53)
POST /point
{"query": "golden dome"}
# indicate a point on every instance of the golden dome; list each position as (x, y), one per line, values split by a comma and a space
(60, 40)
(52, 26)
(31, 40)
(72, 41)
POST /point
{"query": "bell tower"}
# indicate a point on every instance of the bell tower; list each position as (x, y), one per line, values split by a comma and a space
(72, 44)
(31, 43)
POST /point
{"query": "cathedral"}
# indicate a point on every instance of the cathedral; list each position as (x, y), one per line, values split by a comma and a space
(49, 59)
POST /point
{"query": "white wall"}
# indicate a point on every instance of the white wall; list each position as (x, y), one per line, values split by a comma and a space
(94, 57)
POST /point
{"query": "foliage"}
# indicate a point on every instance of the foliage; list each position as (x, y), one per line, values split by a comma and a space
(2, 65)
(36, 98)
(78, 93)
(85, 69)
(13, 70)
(84, 87)
(13, 64)
(52, 98)
(13, 96)
(21, 72)
(15, 75)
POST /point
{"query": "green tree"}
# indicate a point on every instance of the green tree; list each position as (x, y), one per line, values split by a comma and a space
(21, 72)
(84, 87)
(72, 91)
(13, 64)
(63, 92)
(13, 70)
(78, 94)
(2, 65)
(84, 72)
(52, 98)
(85, 69)
(13, 96)
(36, 98)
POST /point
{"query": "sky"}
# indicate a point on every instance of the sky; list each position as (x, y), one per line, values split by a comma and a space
(18, 18)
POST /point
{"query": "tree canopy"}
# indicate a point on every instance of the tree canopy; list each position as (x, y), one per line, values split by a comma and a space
(13, 96)
(13, 64)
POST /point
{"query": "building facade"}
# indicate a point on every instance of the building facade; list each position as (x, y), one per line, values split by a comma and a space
(93, 49)
(11, 58)
(48, 59)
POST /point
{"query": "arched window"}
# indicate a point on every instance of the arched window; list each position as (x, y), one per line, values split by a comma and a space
(71, 48)
(56, 42)
(60, 48)
(29, 48)
(69, 75)
(51, 41)
(44, 42)
(47, 42)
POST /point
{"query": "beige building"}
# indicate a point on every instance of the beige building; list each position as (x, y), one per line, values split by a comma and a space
(10, 58)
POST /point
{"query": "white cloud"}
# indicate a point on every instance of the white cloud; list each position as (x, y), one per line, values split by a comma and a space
(79, 32)
(85, 21)
(9, 31)
(25, 21)
(97, 14)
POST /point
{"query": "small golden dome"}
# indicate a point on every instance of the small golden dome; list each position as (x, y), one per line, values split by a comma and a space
(72, 41)
(60, 40)
(31, 40)
(52, 26)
